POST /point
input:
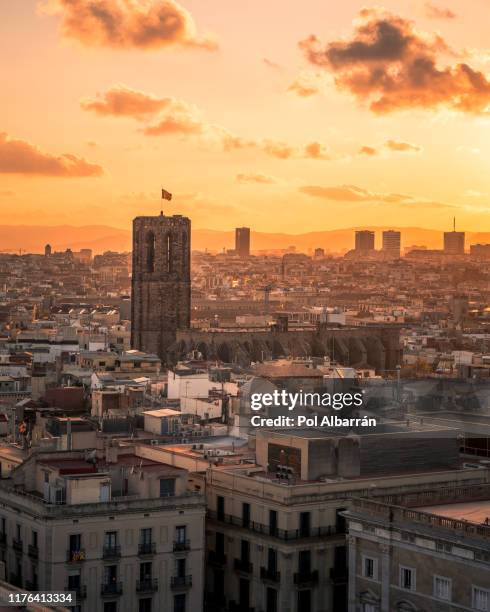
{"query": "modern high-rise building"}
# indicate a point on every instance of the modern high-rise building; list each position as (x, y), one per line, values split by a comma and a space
(364, 240)
(392, 243)
(454, 242)
(161, 282)
(242, 241)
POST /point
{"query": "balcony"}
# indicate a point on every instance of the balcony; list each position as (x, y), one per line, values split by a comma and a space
(75, 556)
(33, 551)
(111, 552)
(180, 582)
(80, 591)
(243, 566)
(216, 558)
(147, 586)
(146, 548)
(17, 545)
(270, 575)
(306, 579)
(274, 532)
(111, 589)
(182, 546)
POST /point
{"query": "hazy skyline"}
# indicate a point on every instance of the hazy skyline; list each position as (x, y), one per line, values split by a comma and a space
(285, 118)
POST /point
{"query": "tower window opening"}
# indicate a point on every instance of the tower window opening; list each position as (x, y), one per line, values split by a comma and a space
(169, 252)
(150, 253)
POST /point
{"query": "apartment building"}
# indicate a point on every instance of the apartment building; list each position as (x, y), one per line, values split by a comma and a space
(275, 529)
(121, 531)
(428, 550)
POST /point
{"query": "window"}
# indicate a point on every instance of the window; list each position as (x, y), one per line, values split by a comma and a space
(272, 560)
(481, 599)
(220, 505)
(145, 571)
(304, 562)
(180, 567)
(144, 605)
(179, 602)
(75, 543)
(245, 551)
(407, 578)
(245, 514)
(110, 539)
(273, 522)
(180, 533)
(110, 606)
(370, 568)
(271, 598)
(145, 535)
(442, 588)
(34, 538)
(167, 487)
(304, 601)
(110, 574)
(220, 543)
(150, 252)
(74, 582)
(304, 524)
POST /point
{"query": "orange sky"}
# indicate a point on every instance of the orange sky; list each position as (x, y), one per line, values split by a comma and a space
(381, 119)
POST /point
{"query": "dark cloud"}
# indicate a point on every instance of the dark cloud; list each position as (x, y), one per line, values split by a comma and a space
(21, 157)
(126, 24)
(391, 66)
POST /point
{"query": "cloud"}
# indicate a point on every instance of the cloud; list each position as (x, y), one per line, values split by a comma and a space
(274, 65)
(120, 101)
(304, 90)
(389, 65)
(127, 24)
(175, 124)
(315, 150)
(433, 11)
(21, 157)
(166, 116)
(370, 151)
(351, 193)
(262, 179)
(395, 145)
(354, 194)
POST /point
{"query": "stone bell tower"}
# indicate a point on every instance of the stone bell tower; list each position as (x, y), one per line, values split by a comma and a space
(161, 282)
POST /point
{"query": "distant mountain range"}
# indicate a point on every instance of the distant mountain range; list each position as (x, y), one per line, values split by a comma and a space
(99, 238)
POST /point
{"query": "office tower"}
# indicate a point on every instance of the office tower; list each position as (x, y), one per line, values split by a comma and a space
(364, 240)
(454, 241)
(161, 282)
(391, 243)
(242, 241)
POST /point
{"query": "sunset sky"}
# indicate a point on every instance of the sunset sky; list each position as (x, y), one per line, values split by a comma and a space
(286, 116)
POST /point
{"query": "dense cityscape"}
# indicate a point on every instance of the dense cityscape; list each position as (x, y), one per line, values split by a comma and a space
(131, 474)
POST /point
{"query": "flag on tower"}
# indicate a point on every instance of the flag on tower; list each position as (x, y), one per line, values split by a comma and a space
(166, 195)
